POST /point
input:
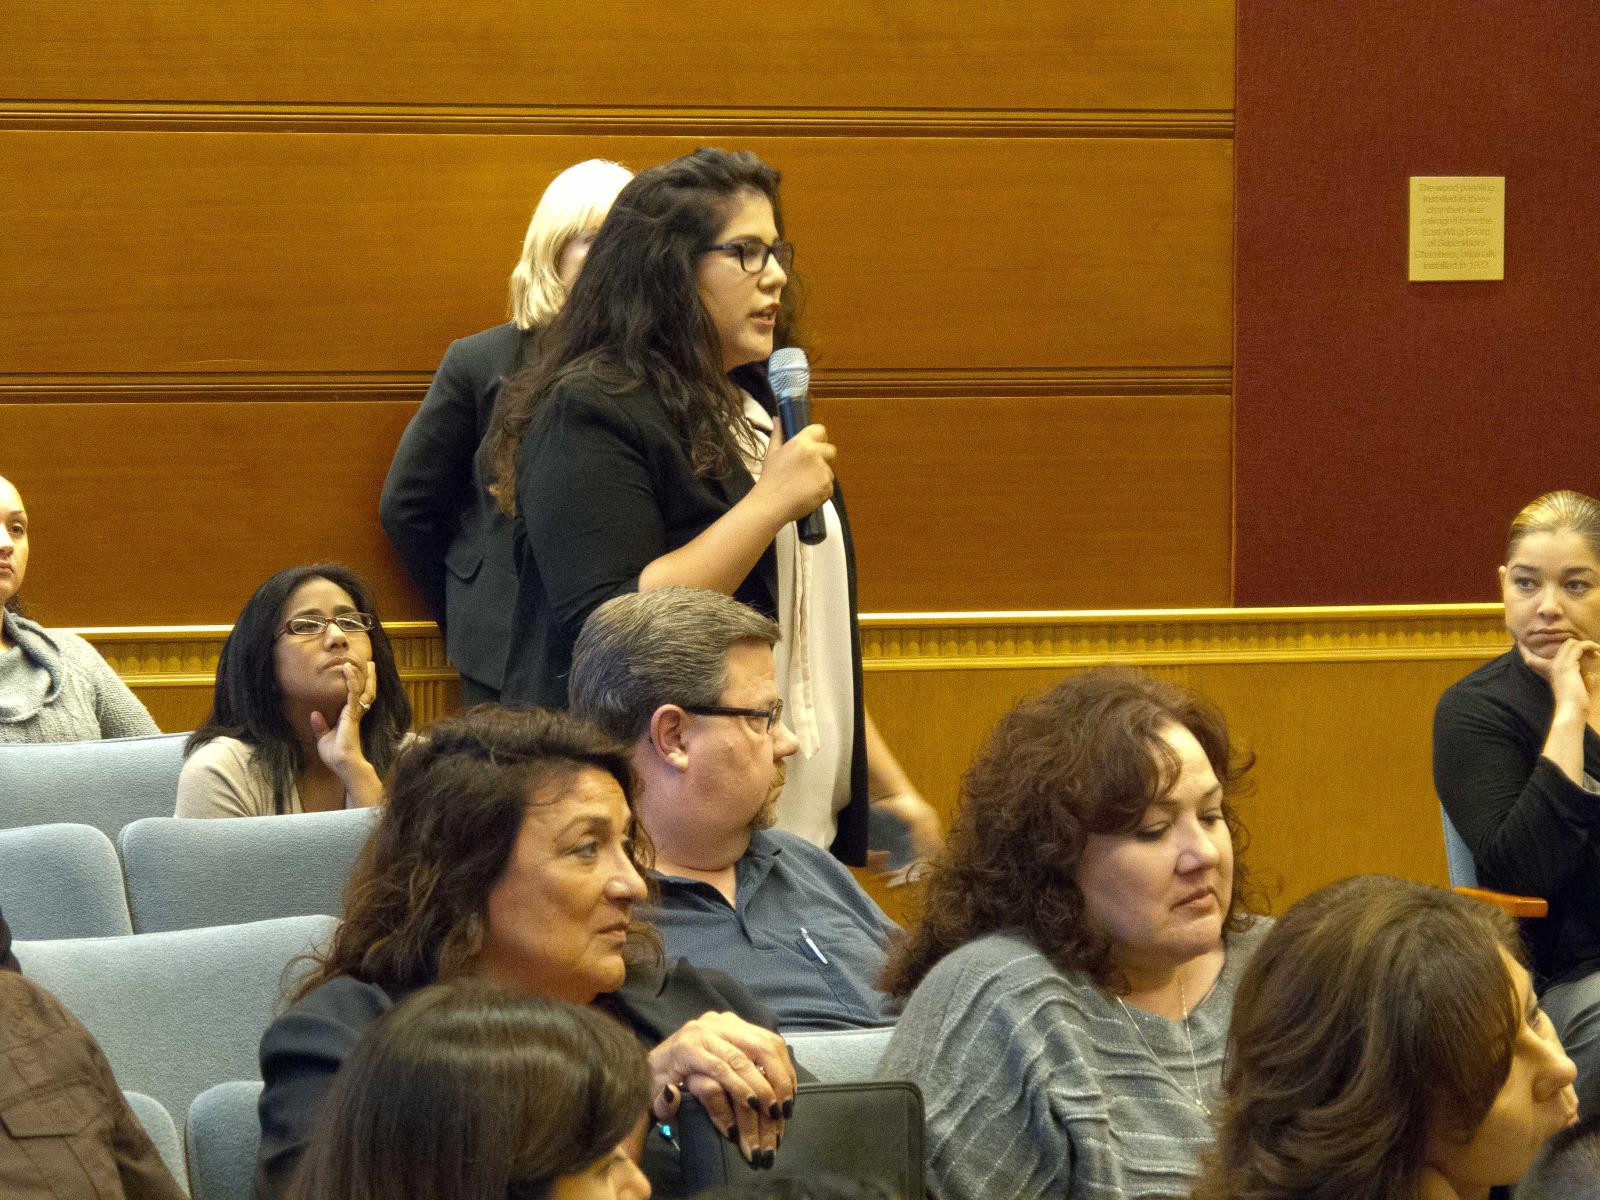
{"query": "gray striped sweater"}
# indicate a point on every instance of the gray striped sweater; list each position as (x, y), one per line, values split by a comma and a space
(1036, 1083)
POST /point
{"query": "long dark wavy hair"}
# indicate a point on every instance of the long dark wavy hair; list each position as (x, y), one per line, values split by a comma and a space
(1085, 757)
(462, 1092)
(248, 703)
(1374, 1009)
(416, 907)
(633, 319)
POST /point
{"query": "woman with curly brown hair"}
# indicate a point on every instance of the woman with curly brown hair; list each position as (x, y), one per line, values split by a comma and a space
(1386, 1045)
(1067, 991)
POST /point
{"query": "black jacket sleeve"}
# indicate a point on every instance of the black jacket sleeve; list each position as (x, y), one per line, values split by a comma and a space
(588, 506)
(301, 1052)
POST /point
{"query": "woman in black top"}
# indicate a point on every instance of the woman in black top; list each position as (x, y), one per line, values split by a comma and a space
(1516, 760)
(508, 851)
(635, 453)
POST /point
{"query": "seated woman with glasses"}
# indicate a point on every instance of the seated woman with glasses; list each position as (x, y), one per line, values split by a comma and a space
(640, 452)
(308, 712)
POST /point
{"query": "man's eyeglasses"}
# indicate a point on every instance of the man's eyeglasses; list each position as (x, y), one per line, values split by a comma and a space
(772, 714)
(753, 254)
(350, 622)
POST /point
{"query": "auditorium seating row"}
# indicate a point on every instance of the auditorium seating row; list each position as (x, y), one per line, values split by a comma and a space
(176, 941)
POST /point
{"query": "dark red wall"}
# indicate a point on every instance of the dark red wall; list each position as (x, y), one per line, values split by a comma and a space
(1386, 431)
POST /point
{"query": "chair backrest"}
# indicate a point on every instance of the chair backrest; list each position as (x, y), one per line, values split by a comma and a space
(176, 1012)
(105, 784)
(1458, 859)
(61, 881)
(186, 873)
(157, 1122)
(871, 1132)
(840, 1055)
(223, 1136)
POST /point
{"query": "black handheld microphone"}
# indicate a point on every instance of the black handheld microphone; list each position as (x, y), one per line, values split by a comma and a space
(790, 376)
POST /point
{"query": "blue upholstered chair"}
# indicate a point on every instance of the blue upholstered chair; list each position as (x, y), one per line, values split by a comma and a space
(61, 881)
(177, 1012)
(222, 1136)
(158, 1123)
(185, 873)
(840, 1056)
(105, 784)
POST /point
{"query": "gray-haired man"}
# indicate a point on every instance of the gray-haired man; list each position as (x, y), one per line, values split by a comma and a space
(686, 677)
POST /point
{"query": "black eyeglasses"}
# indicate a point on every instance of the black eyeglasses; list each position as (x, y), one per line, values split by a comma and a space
(350, 622)
(753, 254)
(772, 714)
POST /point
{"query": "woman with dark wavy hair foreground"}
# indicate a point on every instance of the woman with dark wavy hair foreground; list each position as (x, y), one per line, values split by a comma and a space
(1072, 976)
(1386, 1045)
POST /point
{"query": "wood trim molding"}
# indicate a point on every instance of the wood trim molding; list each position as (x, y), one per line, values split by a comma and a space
(665, 121)
(1174, 637)
(847, 383)
(183, 655)
(186, 655)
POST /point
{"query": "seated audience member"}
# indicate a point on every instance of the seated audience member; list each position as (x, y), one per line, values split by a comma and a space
(308, 712)
(445, 527)
(54, 686)
(686, 677)
(468, 1093)
(1569, 1168)
(1068, 988)
(508, 851)
(66, 1131)
(1516, 761)
(1386, 1045)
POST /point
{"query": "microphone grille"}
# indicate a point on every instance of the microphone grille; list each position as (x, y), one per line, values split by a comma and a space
(788, 370)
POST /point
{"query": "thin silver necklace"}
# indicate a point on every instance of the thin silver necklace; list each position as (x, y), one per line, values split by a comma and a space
(1194, 1068)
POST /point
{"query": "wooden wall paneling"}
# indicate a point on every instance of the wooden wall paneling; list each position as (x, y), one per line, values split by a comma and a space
(612, 54)
(173, 513)
(234, 254)
(173, 670)
(966, 503)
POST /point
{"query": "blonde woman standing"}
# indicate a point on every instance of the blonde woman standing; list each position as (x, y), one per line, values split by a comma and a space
(446, 529)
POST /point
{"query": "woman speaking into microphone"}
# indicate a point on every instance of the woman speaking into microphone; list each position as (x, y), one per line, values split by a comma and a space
(641, 451)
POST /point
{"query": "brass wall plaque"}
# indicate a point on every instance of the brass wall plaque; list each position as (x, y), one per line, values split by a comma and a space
(1458, 227)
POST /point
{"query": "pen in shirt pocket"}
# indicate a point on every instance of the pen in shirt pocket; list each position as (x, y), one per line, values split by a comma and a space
(820, 956)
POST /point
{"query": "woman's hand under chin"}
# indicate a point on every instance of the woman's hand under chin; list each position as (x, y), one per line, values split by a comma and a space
(1573, 672)
(339, 745)
(741, 1074)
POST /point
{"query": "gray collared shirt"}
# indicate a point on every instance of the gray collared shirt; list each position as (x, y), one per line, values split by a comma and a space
(802, 936)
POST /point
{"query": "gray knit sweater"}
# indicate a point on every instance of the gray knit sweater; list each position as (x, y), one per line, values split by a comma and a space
(1036, 1084)
(54, 687)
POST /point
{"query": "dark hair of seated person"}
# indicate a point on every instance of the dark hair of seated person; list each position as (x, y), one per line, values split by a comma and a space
(812, 1187)
(463, 1092)
(414, 906)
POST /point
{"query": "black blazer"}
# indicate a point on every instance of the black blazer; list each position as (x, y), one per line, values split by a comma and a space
(604, 487)
(446, 529)
(303, 1049)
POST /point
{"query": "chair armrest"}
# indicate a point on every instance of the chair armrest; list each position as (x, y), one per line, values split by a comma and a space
(1517, 906)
